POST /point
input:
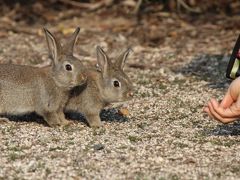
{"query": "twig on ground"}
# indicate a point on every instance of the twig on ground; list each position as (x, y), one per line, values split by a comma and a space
(137, 8)
(190, 9)
(141, 66)
(90, 6)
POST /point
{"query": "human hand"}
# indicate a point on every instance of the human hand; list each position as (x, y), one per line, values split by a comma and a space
(229, 109)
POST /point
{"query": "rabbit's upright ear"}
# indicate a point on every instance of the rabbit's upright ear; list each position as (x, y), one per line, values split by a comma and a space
(103, 60)
(69, 45)
(54, 47)
(121, 60)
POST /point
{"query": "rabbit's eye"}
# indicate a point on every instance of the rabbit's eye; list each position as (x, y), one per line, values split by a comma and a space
(68, 67)
(116, 83)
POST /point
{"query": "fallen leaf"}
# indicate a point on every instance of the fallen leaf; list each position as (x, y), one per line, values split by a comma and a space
(67, 31)
(123, 111)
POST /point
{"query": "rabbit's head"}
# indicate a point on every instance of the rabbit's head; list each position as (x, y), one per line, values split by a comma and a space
(67, 70)
(116, 86)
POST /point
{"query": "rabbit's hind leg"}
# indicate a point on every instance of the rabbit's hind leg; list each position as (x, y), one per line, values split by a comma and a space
(4, 120)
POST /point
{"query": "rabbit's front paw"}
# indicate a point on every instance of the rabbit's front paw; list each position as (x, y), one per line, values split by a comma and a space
(65, 122)
(54, 125)
(52, 119)
(96, 124)
(94, 121)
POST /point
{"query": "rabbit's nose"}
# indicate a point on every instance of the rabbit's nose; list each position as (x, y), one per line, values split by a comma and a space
(130, 94)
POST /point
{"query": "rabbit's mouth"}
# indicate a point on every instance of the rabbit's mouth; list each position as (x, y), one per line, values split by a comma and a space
(123, 100)
(118, 104)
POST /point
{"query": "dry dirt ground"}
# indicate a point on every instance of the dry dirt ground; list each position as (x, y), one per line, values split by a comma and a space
(166, 135)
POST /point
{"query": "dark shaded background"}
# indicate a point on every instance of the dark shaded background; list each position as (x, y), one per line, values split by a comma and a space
(152, 21)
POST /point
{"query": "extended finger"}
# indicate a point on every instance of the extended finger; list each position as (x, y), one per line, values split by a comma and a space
(219, 117)
(211, 110)
(231, 112)
(206, 109)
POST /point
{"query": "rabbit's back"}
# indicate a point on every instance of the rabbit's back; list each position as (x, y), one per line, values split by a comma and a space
(19, 87)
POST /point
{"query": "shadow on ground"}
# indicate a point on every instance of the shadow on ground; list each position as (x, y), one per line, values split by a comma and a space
(227, 130)
(31, 117)
(211, 68)
(109, 115)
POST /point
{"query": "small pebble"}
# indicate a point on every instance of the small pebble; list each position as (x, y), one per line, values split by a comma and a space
(98, 147)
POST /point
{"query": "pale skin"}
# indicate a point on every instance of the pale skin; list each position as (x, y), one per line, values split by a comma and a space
(228, 110)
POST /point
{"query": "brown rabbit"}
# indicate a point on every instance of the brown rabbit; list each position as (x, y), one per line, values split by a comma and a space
(106, 85)
(25, 89)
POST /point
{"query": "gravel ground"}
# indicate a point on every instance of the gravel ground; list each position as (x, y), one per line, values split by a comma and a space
(166, 135)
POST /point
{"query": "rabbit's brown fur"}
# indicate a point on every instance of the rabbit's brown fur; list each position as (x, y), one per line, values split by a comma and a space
(25, 89)
(100, 90)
